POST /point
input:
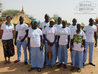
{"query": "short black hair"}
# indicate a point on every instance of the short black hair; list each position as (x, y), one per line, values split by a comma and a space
(9, 17)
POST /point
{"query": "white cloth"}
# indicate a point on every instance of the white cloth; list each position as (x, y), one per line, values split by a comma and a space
(75, 45)
(90, 32)
(50, 33)
(21, 28)
(7, 31)
(43, 25)
(63, 33)
(72, 28)
(34, 35)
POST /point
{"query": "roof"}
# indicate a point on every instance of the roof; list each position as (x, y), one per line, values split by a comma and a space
(15, 19)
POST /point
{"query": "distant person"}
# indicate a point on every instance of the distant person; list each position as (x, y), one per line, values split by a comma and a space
(78, 47)
(73, 28)
(50, 36)
(35, 46)
(20, 39)
(91, 39)
(58, 25)
(7, 30)
(63, 44)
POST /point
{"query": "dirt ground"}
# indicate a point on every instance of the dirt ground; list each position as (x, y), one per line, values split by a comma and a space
(20, 68)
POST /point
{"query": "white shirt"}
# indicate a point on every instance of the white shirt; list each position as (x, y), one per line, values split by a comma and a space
(57, 26)
(90, 32)
(72, 28)
(7, 31)
(63, 33)
(75, 45)
(34, 35)
(21, 28)
(43, 25)
(50, 33)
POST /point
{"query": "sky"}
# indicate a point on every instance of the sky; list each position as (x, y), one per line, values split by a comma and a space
(67, 9)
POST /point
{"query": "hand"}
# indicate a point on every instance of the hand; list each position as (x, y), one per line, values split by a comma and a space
(84, 50)
(67, 46)
(48, 42)
(41, 47)
(51, 44)
(95, 44)
(22, 40)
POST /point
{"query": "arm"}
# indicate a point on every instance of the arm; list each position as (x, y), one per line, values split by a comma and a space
(71, 45)
(58, 41)
(25, 36)
(95, 36)
(28, 43)
(41, 47)
(1, 32)
(84, 44)
(68, 41)
(16, 34)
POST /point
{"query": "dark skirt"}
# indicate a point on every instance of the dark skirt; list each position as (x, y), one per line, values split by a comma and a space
(8, 48)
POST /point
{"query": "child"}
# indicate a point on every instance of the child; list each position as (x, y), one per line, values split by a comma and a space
(35, 45)
(77, 47)
(63, 44)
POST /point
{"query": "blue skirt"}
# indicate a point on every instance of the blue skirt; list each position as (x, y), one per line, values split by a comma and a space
(37, 57)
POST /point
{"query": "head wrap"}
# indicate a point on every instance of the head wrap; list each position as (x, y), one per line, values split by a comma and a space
(35, 21)
(52, 20)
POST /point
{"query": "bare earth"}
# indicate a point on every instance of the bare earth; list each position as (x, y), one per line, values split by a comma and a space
(20, 68)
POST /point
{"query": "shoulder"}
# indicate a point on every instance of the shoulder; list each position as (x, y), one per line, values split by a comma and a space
(55, 25)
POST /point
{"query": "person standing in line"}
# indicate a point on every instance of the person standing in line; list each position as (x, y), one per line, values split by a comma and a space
(72, 29)
(35, 46)
(7, 30)
(58, 25)
(43, 25)
(20, 39)
(63, 44)
(91, 34)
(78, 47)
(50, 36)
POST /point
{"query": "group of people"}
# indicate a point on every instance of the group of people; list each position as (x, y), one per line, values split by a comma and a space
(56, 39)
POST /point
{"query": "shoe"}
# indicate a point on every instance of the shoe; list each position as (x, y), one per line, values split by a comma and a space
(65, 66)
(16, 61)
(25, 63)
(72, 68)
(30, 69)
(58, 66)
(78, 70)
(39, 69)
(92, 64)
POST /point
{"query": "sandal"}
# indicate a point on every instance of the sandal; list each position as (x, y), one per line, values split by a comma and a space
(78, 70)
(39, 69)
(30, 69)
(72, 68)
(16, 61)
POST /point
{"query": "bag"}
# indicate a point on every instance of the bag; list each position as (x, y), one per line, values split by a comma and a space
(49, 54)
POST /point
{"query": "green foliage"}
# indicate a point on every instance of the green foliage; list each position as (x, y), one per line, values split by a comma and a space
(11, 13)
(55, 17)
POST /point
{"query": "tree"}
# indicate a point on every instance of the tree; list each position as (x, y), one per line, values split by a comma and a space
(55, 17)
(11, 13)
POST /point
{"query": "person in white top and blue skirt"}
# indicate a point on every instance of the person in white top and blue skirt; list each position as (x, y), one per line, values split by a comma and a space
(35, 46)
(78, 47)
